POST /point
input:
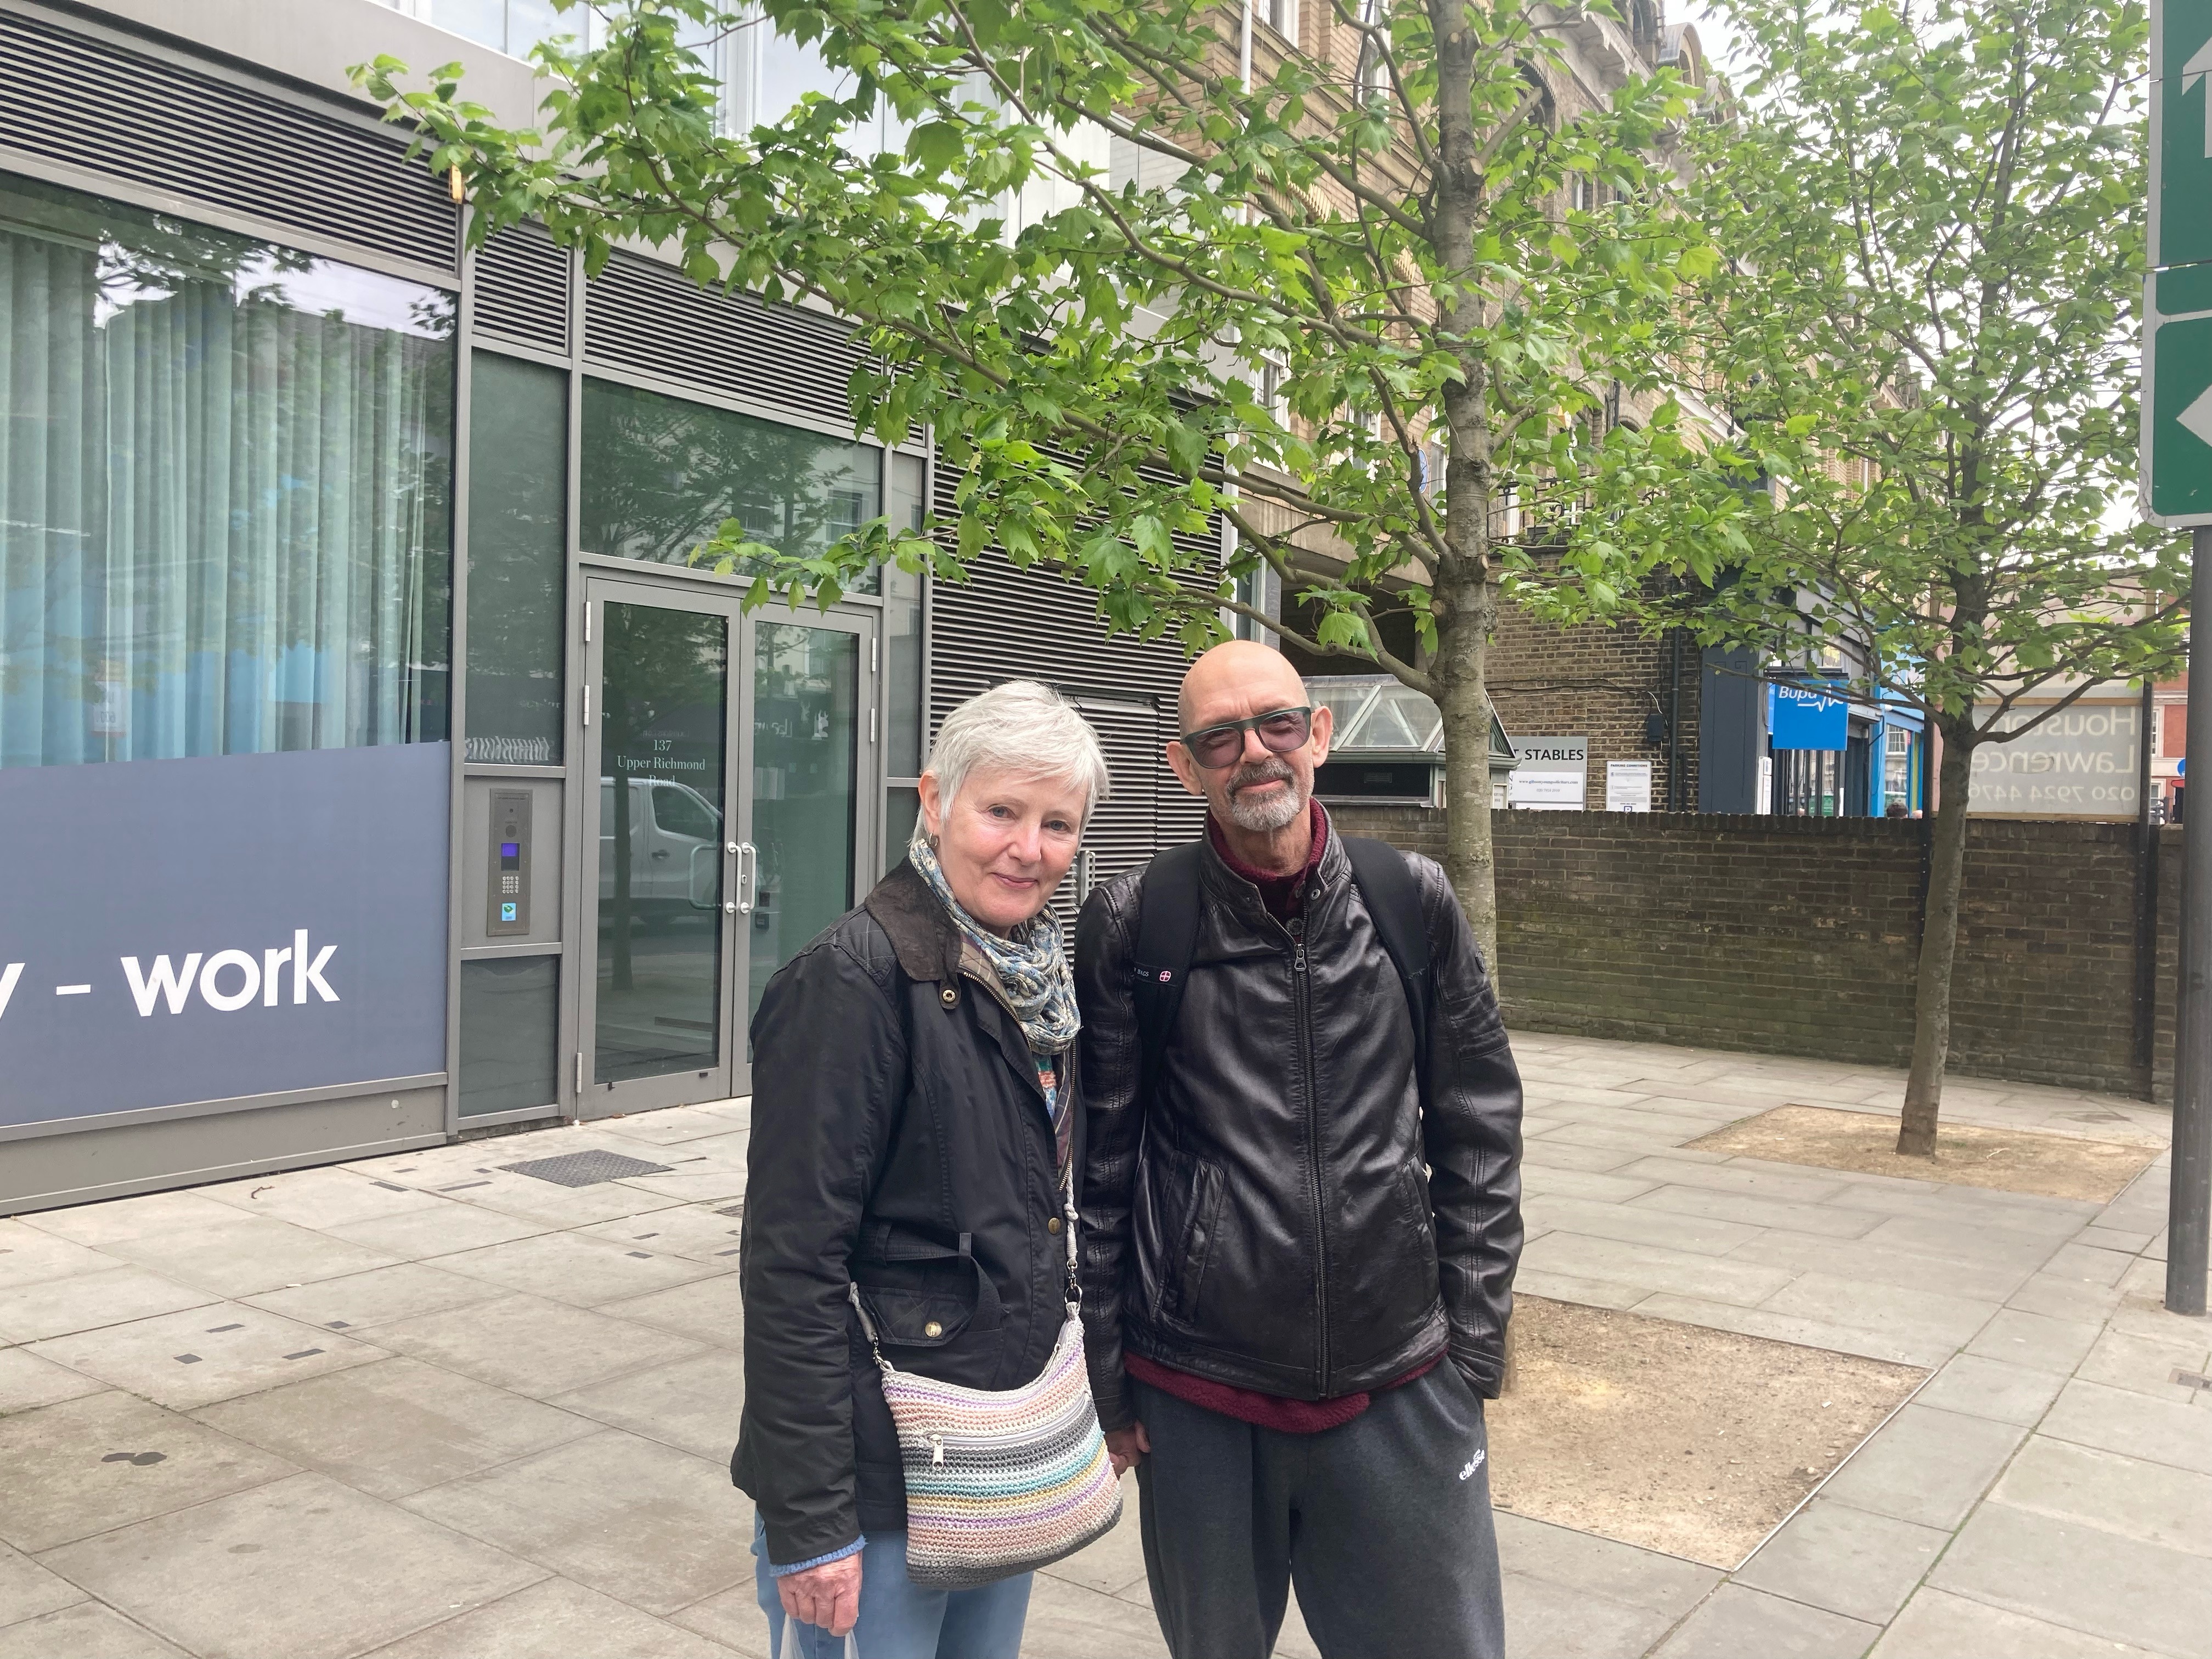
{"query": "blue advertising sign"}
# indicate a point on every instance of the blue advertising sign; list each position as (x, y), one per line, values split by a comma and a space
(176, 931)
(1802, 719)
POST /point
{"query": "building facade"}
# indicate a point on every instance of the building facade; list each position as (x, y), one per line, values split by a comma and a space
(373, 768)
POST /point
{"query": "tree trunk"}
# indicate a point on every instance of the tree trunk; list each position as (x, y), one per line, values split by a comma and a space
(1939, 947)
(1463, 696)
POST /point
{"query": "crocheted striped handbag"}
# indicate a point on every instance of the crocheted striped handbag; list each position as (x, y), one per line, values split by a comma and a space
(998, 1483)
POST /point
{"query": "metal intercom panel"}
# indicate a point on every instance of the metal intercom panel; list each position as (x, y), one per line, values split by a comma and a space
(507, 889)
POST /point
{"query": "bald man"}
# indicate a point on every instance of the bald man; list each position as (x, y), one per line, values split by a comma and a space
(1301, 1204)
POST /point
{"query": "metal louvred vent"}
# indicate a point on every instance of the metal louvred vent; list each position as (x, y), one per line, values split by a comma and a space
(85, 101)
(522, 288)
(642, 315)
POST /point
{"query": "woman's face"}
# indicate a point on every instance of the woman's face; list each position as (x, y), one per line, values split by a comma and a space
(1004, 842)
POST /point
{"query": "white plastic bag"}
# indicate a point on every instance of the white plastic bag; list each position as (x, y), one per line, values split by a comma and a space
(790, 1648)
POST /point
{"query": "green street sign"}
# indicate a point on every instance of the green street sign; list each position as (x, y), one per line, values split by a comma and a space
(2180, 132)
(2177, 407)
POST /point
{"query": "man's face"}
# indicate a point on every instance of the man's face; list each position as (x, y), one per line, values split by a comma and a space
(1259, 790)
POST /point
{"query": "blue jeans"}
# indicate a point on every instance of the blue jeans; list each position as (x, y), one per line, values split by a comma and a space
(901, 1619)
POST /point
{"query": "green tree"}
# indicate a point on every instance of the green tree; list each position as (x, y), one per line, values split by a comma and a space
(1309, 274)
(1929, 335)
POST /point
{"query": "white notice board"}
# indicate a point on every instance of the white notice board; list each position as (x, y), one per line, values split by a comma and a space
(1554, 774)
(1628, 785)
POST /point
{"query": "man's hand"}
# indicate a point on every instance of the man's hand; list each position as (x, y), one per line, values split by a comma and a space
(1126, 1447)
(828, 1595)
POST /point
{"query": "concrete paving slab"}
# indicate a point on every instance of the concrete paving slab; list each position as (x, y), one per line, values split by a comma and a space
(1581, 1183)
(2083, 1577)
(692, 1404)
(56, 1307)
(2035, 1341)
(1773, 1214)
(2089, 1264)
(450, 1225)
(2057, 1297)
(1714, 1172)
(319, 1198)
(657, 1527)
(1892, 1310)
(1548, 1620)
(2122, 1420)
(693, 1186)
(1069, 1621)
(706, 1310)
(1970, 1233)
(535, 1347)
(554, 1620)
(1626, 1140)
(672, 1128)
(1565, 1287)
(1696, 1234)
(1867, 1261)
(28, 1256)
(1678, 1272)
(2146, 1364)
(396, 1426)
(1737, 1622)
(27, 1590)
(377, 1296)
(703, 1232)
(28, 1381)
(1621, 1573)
(571, 1267)
(1989, 1387)
(2145, 1316)
(107, 1460)
(2112, 1238)
(559, 1207)
(1905, 1350)
(1540, 1151)
(1937, 1624)
(300, 1569)
(1926, 1465)
(118, 1220)
(248, 1253)
(2151, 1502)
(183, 1360)
(1844, 1559)
(733, 1618)
(86, 1631)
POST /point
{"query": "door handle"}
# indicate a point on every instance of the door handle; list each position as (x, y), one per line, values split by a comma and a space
(660, 852)
(748, 875)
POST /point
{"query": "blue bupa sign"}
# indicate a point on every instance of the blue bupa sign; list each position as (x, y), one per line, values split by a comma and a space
(1802, 719)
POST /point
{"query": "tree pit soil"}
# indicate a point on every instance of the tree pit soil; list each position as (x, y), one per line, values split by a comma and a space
(1676, 1437)
(2031, 1161)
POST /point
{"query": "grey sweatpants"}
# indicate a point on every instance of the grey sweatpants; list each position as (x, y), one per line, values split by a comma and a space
(1383, 1525)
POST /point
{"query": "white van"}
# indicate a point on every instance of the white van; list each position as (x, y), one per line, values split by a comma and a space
(675, 850)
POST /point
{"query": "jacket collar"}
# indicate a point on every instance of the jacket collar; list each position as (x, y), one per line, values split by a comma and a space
(1242, 898)
(920, 928)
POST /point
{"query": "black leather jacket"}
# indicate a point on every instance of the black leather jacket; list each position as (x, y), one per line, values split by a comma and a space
(1294, 1212)
(901, 1142)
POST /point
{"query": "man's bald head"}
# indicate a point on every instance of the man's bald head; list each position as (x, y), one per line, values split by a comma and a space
(1235, 680)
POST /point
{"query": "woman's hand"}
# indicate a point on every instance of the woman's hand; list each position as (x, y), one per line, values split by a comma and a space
(1126, 1447)
(828, 1595)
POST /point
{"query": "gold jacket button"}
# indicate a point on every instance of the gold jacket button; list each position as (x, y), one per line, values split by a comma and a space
(933, 1328)
(951, 998)
(1052, 1225)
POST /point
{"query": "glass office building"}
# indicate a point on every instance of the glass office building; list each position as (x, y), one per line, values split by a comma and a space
(374, 768)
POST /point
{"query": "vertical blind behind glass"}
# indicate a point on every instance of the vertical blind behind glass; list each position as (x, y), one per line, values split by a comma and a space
(224, 491)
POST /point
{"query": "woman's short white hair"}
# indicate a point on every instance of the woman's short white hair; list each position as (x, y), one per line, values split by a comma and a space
(1023, 728)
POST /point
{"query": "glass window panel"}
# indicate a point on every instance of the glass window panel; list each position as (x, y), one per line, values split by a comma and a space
(661, 474)
(518, 559)
(902, 630)
(805, 747)
(510, 1029)
(902, 808)
(225, 490)
(665, 688)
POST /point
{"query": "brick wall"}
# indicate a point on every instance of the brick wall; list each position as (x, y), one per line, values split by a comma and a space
(1801, 935)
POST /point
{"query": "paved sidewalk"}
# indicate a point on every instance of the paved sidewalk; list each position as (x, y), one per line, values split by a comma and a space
(424, 1407)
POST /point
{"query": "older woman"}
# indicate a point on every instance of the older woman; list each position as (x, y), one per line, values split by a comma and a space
(912, 1133)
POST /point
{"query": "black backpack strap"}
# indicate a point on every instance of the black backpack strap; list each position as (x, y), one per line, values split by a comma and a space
(1393, 893)
(1167, 934)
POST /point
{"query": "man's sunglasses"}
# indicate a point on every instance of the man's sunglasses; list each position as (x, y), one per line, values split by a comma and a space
(1281, 729)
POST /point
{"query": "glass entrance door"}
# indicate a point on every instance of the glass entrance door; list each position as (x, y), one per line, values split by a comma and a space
(733, 753)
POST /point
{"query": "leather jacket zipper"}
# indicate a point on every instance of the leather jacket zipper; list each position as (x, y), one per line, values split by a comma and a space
(1301, 989)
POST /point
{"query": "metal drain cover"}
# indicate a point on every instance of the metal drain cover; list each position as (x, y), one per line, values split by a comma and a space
(586, 1169)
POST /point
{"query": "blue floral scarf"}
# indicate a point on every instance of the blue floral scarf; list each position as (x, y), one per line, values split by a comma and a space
(1031, 965)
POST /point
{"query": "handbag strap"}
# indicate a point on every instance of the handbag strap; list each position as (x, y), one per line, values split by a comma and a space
(887, 1250)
